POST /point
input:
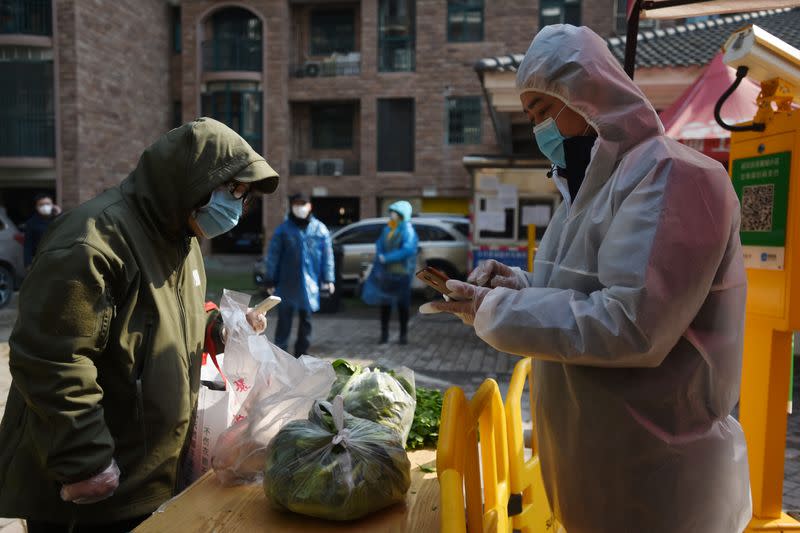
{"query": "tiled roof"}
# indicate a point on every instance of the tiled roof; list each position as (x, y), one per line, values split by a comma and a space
(685, 45)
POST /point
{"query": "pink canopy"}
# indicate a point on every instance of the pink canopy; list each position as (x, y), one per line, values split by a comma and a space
(690, 119)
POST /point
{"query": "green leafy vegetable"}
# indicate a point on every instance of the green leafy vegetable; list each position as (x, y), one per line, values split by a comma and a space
(385, 397)
(427, 416)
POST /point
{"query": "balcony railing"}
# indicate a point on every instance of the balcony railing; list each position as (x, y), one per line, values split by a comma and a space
(396, 54)
(336, 65)
(31, 17)
(30, 136)
(232, 53)
(324, 167)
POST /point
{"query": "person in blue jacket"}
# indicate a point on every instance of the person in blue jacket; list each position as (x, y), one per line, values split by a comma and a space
(389, 282)
(299, 264)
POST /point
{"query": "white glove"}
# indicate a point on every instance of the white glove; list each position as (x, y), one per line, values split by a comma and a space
(329, 287)
(95, 488)
(465, 300)
(492, 273)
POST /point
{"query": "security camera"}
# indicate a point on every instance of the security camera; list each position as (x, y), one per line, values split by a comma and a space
(765, 56)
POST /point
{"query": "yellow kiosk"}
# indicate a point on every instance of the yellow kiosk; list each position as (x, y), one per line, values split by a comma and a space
(765, 169)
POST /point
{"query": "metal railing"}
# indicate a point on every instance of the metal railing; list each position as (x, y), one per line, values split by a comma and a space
(32, 135)
(336, 65)
(324, 167)
(232, 53)
(32, 17)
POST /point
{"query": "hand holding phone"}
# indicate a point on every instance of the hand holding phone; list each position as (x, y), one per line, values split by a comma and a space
(437, 280)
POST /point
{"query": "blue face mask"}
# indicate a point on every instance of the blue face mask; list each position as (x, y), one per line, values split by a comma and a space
(550, 140)
(220, 215)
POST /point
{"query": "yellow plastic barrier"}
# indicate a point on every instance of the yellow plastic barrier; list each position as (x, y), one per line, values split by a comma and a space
(526, 476)
(458, 464)
(464, 507)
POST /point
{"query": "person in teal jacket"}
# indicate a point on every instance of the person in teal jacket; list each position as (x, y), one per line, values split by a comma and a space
(389, 282)
(299, 264)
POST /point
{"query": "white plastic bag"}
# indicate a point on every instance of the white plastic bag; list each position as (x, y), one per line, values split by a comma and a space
(212, 418)
(269, 388)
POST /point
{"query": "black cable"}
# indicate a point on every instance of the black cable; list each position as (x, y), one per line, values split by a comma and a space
(741, 72)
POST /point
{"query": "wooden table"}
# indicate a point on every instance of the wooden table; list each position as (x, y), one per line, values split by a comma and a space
(207, 506)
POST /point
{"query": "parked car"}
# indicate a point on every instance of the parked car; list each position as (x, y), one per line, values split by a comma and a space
(12, 267)
(443, 244)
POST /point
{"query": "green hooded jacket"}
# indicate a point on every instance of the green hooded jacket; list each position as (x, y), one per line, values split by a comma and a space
(105, 354)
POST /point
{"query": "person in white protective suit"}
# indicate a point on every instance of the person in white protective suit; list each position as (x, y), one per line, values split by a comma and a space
(634, 312)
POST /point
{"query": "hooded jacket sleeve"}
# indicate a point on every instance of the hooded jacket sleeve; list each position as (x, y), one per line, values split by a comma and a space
(328, 267)
(62, 329)
(656, 264)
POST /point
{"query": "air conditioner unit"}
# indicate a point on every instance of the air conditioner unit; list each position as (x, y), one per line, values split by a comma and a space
(331, 167)
(304, 167)
(312, 68)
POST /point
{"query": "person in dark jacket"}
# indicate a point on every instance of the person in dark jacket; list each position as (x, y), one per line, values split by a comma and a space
(36, 226)
(299, 264)
(105, 355)
(389, 283)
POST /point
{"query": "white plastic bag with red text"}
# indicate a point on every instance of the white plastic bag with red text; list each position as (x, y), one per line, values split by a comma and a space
(269, 388)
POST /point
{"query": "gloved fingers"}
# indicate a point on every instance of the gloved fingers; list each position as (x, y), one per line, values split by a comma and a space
(454, 307)
(511, 282)
(460, 290)
(480, 275)
(94, 489)
(487, 271)
(258, 321)
(331, 288)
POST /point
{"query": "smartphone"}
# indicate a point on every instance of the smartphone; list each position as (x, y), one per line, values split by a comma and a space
(267, 304)
(435, 279)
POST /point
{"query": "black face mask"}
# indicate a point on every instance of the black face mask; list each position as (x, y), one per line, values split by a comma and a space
(577, 153)
(301, 222)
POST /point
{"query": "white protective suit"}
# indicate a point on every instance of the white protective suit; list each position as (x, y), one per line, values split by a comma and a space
(634, 316)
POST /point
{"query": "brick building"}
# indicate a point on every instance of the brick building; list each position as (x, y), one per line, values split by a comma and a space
(84, 88)
(356, 102)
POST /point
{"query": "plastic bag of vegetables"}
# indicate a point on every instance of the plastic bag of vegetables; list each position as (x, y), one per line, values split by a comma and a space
(385, 397)
(335, 466)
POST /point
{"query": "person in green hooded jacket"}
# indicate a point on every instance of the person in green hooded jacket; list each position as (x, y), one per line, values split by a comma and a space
(106, 351)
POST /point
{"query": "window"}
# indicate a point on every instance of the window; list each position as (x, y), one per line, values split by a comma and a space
(366, 234)
(464, 20)
(333, 31)
(464, 120)
(235, 42)
(559, 12)
(462, 228)
(395, 135)
(26, 103)
(396, 41)
(176, 29)
(31, 17)
(237, 104)
(432, 233)
(332, 126)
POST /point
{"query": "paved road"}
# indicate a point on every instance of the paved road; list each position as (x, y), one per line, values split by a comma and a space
(442, 352)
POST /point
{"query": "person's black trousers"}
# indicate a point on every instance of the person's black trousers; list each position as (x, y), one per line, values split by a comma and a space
(284, 329)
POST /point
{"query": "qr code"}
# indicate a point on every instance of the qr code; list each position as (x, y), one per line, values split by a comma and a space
(757, 205)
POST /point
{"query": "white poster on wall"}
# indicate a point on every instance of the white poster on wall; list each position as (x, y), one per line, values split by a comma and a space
(491, 221)
(536, 214)
(507, 194)
(494, 204)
